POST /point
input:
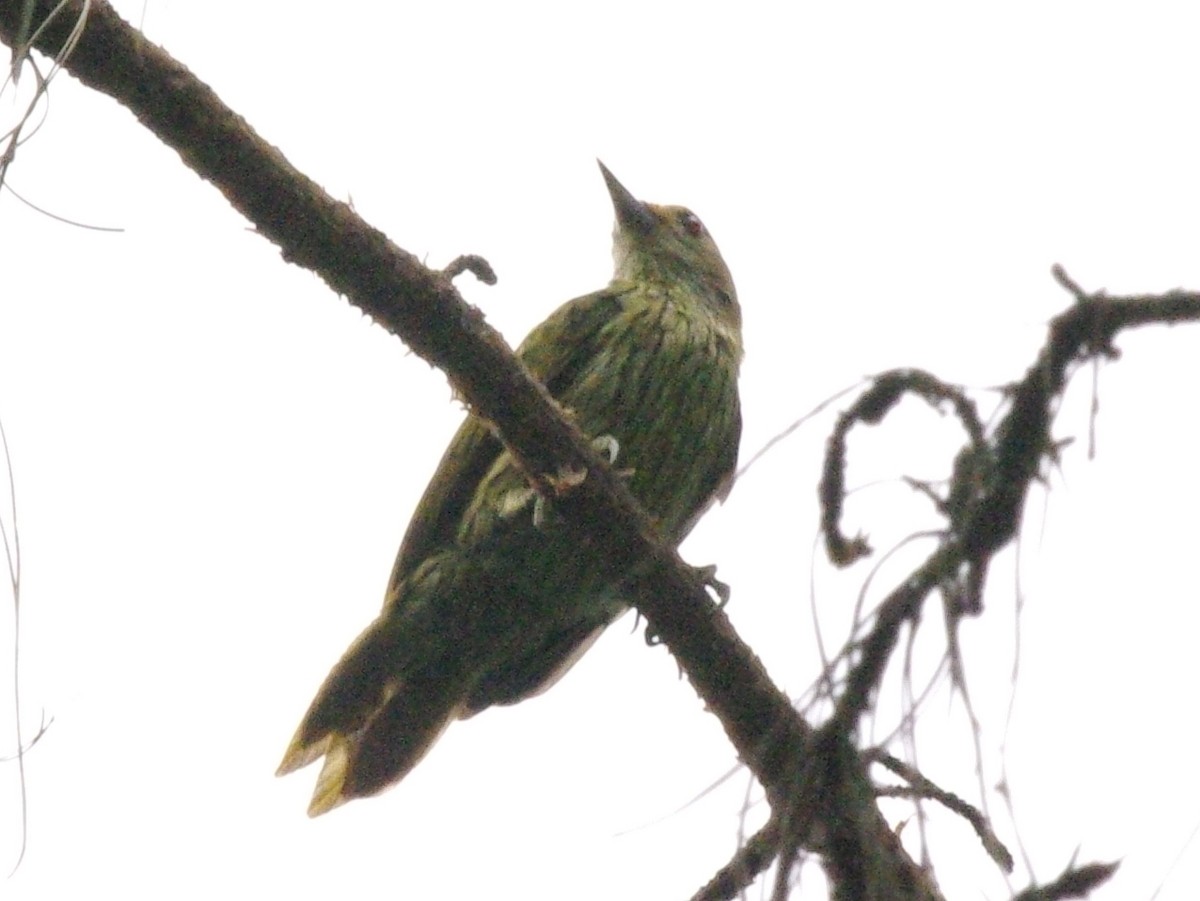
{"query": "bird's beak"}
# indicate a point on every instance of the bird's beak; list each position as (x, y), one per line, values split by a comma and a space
(632, 214)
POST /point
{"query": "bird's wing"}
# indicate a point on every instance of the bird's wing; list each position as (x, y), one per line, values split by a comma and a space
(557, 349)
(553, 352)
(718, 483)
(471, 453)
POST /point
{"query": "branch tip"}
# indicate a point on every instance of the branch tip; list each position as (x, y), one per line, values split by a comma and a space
(1068, 283)
(473, 263)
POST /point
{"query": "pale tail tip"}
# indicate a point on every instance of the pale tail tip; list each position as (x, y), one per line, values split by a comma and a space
(328, 792)
(300, 755)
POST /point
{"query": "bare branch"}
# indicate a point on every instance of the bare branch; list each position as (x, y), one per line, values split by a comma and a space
(992, 478)
(925, 788)
(750, 860)
(1075, 882)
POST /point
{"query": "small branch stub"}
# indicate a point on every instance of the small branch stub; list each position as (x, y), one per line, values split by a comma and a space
(473, 263)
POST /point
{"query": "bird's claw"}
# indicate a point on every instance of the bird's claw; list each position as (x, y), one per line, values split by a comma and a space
(722, 591)
(515, 501)
(540, 512)
(608, 447)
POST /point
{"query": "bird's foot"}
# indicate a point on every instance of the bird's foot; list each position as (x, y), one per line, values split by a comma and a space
(568, 478)
(560, 483)
(717, 590)
(714, 586)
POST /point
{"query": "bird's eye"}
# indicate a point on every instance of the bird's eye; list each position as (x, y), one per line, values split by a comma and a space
(691, 223)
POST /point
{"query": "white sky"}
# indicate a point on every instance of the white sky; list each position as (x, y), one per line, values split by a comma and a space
(216, 458)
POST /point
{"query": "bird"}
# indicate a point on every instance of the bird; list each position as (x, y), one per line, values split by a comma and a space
(492, 599)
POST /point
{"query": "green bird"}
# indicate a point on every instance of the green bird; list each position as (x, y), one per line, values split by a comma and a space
(492, 599)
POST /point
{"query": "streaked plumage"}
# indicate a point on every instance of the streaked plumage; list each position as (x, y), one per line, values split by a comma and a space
(491, 600)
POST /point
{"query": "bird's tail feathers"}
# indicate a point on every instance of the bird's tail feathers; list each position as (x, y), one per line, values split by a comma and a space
(375, 717)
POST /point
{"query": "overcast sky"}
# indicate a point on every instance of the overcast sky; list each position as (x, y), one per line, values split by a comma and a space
(215, 458)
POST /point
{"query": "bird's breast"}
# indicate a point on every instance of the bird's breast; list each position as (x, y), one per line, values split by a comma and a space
(664, 386)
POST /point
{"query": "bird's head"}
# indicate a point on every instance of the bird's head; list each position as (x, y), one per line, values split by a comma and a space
(667, 244)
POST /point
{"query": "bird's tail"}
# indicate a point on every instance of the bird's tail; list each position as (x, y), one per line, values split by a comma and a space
(381, 708)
